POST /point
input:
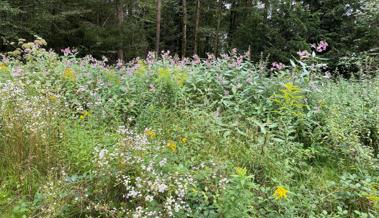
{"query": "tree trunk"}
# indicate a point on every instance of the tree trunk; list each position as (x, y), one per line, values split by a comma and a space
(195, 47)
(120, 22)
(217, 34)
(232, 21)
(158, 31)
(184, 40)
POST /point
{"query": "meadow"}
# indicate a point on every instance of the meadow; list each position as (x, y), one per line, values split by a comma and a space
(170, 137)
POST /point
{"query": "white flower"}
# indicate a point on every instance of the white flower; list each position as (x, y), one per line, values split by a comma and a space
(149, 198)
(133, 194)
(102, 153)
(162, 188)
(162, 162)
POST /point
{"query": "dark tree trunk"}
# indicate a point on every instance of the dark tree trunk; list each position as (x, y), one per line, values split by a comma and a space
(120, 23)
(232, 21)
(158, 30)
(197, 22)
(184, 40)
(217, 34)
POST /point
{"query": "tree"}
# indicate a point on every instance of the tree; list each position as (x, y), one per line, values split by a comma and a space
(158, 29)
(120, 22)
(184, 40)
(9, 25)
(197, 23)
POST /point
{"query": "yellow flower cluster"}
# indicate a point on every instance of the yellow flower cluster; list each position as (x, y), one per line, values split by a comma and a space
(84, 115)
(373, 198)
(52, 98)
(69, 74)
(150, 134)
(183, 140)
(241, 171)
(3, 68)
(280, 193)
(142, 68)
(171, 145)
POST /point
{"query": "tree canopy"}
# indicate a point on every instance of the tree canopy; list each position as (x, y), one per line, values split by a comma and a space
(275, 28)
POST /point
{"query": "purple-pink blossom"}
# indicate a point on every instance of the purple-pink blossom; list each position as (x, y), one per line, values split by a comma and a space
(166, 55)
(239, 60)
(277, 66)
(196, 59)
(303, 54)
(68, 51)
(322, 46)
(119, 64)
(150, 58)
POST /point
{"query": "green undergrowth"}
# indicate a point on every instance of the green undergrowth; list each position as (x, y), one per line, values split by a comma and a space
(163, 138)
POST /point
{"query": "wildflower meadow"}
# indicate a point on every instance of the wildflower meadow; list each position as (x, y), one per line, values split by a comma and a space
(186, 137)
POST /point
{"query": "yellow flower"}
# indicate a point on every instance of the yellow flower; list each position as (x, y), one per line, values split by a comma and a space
(180, 76)
(150, 133)
(141, 69)
(3, 68)
(164, 74)
(241, 171)
(84, 115)
(69, 74)
(373, 198)
(52, 98)
(280, 192)
(171, 145)
(183, 140)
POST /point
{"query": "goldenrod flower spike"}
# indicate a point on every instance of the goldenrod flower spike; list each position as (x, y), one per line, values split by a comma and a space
(69, 74)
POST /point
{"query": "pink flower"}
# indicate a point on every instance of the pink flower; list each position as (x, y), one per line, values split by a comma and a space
(166, 55)
(196, 59)
(16, 72)
(68, 51)
(303, 54)
(239, 60)
(119, 64)
(4, 58)
(184, 62)
(225, 57)
(277, 66)
(322, 46)
(211, 57)
(150, 58)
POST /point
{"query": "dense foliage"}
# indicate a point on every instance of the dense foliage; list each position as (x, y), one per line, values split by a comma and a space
(274, 28)
(165, 137)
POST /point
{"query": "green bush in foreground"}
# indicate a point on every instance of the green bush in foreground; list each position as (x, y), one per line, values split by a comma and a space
(184, 138)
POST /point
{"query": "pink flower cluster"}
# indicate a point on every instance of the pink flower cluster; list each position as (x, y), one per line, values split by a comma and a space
(321, 47)
(68, 51)
(304, 54)
(277, 66)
